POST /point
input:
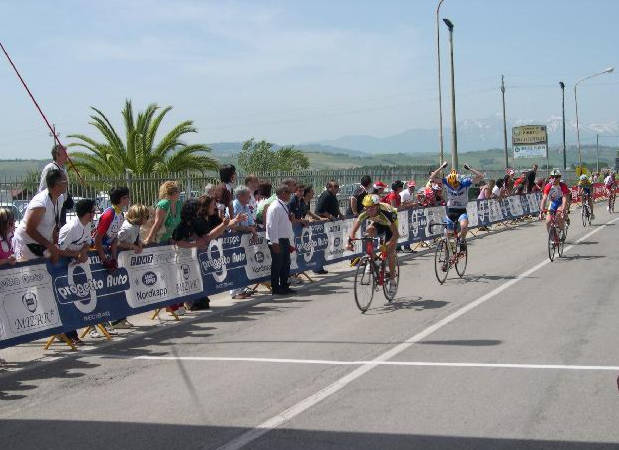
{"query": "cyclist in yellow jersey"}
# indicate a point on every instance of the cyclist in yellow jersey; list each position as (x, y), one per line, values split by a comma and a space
(584, 190)
(383, 219)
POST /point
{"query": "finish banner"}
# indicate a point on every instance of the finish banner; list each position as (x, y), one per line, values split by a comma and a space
(38, 299)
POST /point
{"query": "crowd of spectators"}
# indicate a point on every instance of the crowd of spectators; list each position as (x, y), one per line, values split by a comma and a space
(227, 206)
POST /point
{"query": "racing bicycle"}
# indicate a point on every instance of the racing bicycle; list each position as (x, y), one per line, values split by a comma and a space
(586, 211)
(556, 236)
(611, 200)
(372, 273)
(449, 252)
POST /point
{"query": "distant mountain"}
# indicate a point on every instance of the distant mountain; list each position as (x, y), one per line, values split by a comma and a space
(472, 135)
(232, 148)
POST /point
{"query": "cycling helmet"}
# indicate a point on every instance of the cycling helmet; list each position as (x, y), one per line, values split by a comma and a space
(555, 173)
(452, 178)
(583, 177)
(370, 200)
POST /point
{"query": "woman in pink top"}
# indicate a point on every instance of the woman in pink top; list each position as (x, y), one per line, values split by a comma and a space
(7, 228)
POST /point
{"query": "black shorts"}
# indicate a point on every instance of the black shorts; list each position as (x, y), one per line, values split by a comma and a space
(454, 213)
(382, 230)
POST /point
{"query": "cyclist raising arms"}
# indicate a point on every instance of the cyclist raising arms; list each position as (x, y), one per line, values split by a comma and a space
(609, 184)
(383, 221)
(557, 192)
(584, 191)
(457, 187)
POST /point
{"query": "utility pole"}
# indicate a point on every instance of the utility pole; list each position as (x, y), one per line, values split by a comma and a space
(440, 94)
(504, 122)
(597, 152)
(454, 133)
(53, 134)
(562, 85)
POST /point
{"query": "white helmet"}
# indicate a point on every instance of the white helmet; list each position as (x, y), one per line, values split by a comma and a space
(583, 177)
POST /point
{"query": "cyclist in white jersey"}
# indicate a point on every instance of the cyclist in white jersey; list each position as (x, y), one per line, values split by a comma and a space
(457, 187)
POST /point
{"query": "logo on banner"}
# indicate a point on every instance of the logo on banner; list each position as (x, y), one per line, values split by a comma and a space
(215, 260)
(259, 257)
(29, 299)
(186, 271)
(149, 278)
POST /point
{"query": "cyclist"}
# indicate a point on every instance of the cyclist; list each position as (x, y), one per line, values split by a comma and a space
(457, 189)
(584, 191)
(557, 192)
(383, 220)
(609, 184)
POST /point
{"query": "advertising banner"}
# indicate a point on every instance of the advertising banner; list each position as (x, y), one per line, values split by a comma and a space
(38, 299)
(530, 141)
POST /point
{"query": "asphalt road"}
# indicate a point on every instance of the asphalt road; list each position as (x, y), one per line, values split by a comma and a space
(521, 353)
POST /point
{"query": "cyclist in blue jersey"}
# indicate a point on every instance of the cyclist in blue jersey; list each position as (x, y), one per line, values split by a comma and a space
(457, 192)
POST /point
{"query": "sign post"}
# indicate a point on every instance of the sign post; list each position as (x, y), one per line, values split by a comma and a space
(530, 141)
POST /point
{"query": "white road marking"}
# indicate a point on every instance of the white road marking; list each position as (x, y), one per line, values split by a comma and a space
(379, 363)
(339, 384)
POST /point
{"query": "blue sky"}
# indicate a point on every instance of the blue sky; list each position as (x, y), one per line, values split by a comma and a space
(298, 71)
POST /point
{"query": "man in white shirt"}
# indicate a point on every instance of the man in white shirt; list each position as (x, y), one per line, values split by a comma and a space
(280, 238)
(37, 234)
(59, 159)
(407, 196)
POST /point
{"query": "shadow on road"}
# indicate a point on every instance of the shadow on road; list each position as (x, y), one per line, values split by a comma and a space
(586, 243)
(464, 342)
(63, 434)
(407, 304)
(485, 278)
(583, 257)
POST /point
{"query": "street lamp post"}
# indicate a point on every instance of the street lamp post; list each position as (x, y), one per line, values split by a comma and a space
(440, 98)
(608, 70)
(454, 133)
(562, 85)
(597, 153)
(504, 122)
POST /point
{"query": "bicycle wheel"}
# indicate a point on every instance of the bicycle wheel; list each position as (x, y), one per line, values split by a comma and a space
(365, 283)
(461, 260)
(585, 214)
(561, 243)
(611, 203)
(441, 261)
(390, 287)
(552, 233)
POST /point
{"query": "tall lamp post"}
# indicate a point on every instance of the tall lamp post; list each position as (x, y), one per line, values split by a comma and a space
(562, 85)
(608, 70)
(440, 97)
(504, 122)
(454, 133)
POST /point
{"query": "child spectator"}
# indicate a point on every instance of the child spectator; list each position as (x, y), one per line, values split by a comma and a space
(106, 234)
(7, 228)
(129, 233)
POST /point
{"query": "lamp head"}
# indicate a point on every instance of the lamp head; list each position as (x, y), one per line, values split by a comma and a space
(449, 24)
(609, 70)
(562, 84)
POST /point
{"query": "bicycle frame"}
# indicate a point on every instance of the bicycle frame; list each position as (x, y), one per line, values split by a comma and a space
(379, 272)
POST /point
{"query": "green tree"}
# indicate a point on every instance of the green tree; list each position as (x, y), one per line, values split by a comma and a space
(139, 150)
(261, 157)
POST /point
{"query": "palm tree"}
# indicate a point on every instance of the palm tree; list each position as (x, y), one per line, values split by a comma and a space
(139, 152)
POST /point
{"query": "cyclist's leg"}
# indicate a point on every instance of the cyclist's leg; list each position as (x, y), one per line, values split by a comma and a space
(391, 249)
(464, 225)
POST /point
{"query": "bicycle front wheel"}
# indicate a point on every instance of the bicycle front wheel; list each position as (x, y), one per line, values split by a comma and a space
(390, 286)
(585, 214)
(441, 261)
(552, 242)
(461, 260)
(562, 237)
(365, 284)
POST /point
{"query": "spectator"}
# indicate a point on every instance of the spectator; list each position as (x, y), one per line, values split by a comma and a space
(393, 198)
(407, 196)
(224, 191)
(129, 233)
(264, 190)
(167, 218)
(297, 206)
(308, 195)
(508, 182)
(497, 190)
(328, 207)
(37, 234)
(531, 174)
(539, 185)
(280, 238)
(59, 158)
(355, 206)
(184, 235)
(520, 183)
(74, 240)
(167, 214)
(240, 205)
(484, 191)
(7, 229)
(252, 183)
(292, 187)
(106, 234)
(379, 188)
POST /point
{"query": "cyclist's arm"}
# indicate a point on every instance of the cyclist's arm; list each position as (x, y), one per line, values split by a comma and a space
(354, 229)
(436, 172)
(478, 175)
(353, 205)
(543, 202)
(394, 232)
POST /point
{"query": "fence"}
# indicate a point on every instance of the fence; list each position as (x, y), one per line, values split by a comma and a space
(16, 192)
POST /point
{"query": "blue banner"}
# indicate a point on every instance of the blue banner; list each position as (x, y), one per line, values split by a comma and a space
(38, 299)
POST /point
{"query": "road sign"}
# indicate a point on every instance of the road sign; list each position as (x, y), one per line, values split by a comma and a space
(530, 141)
